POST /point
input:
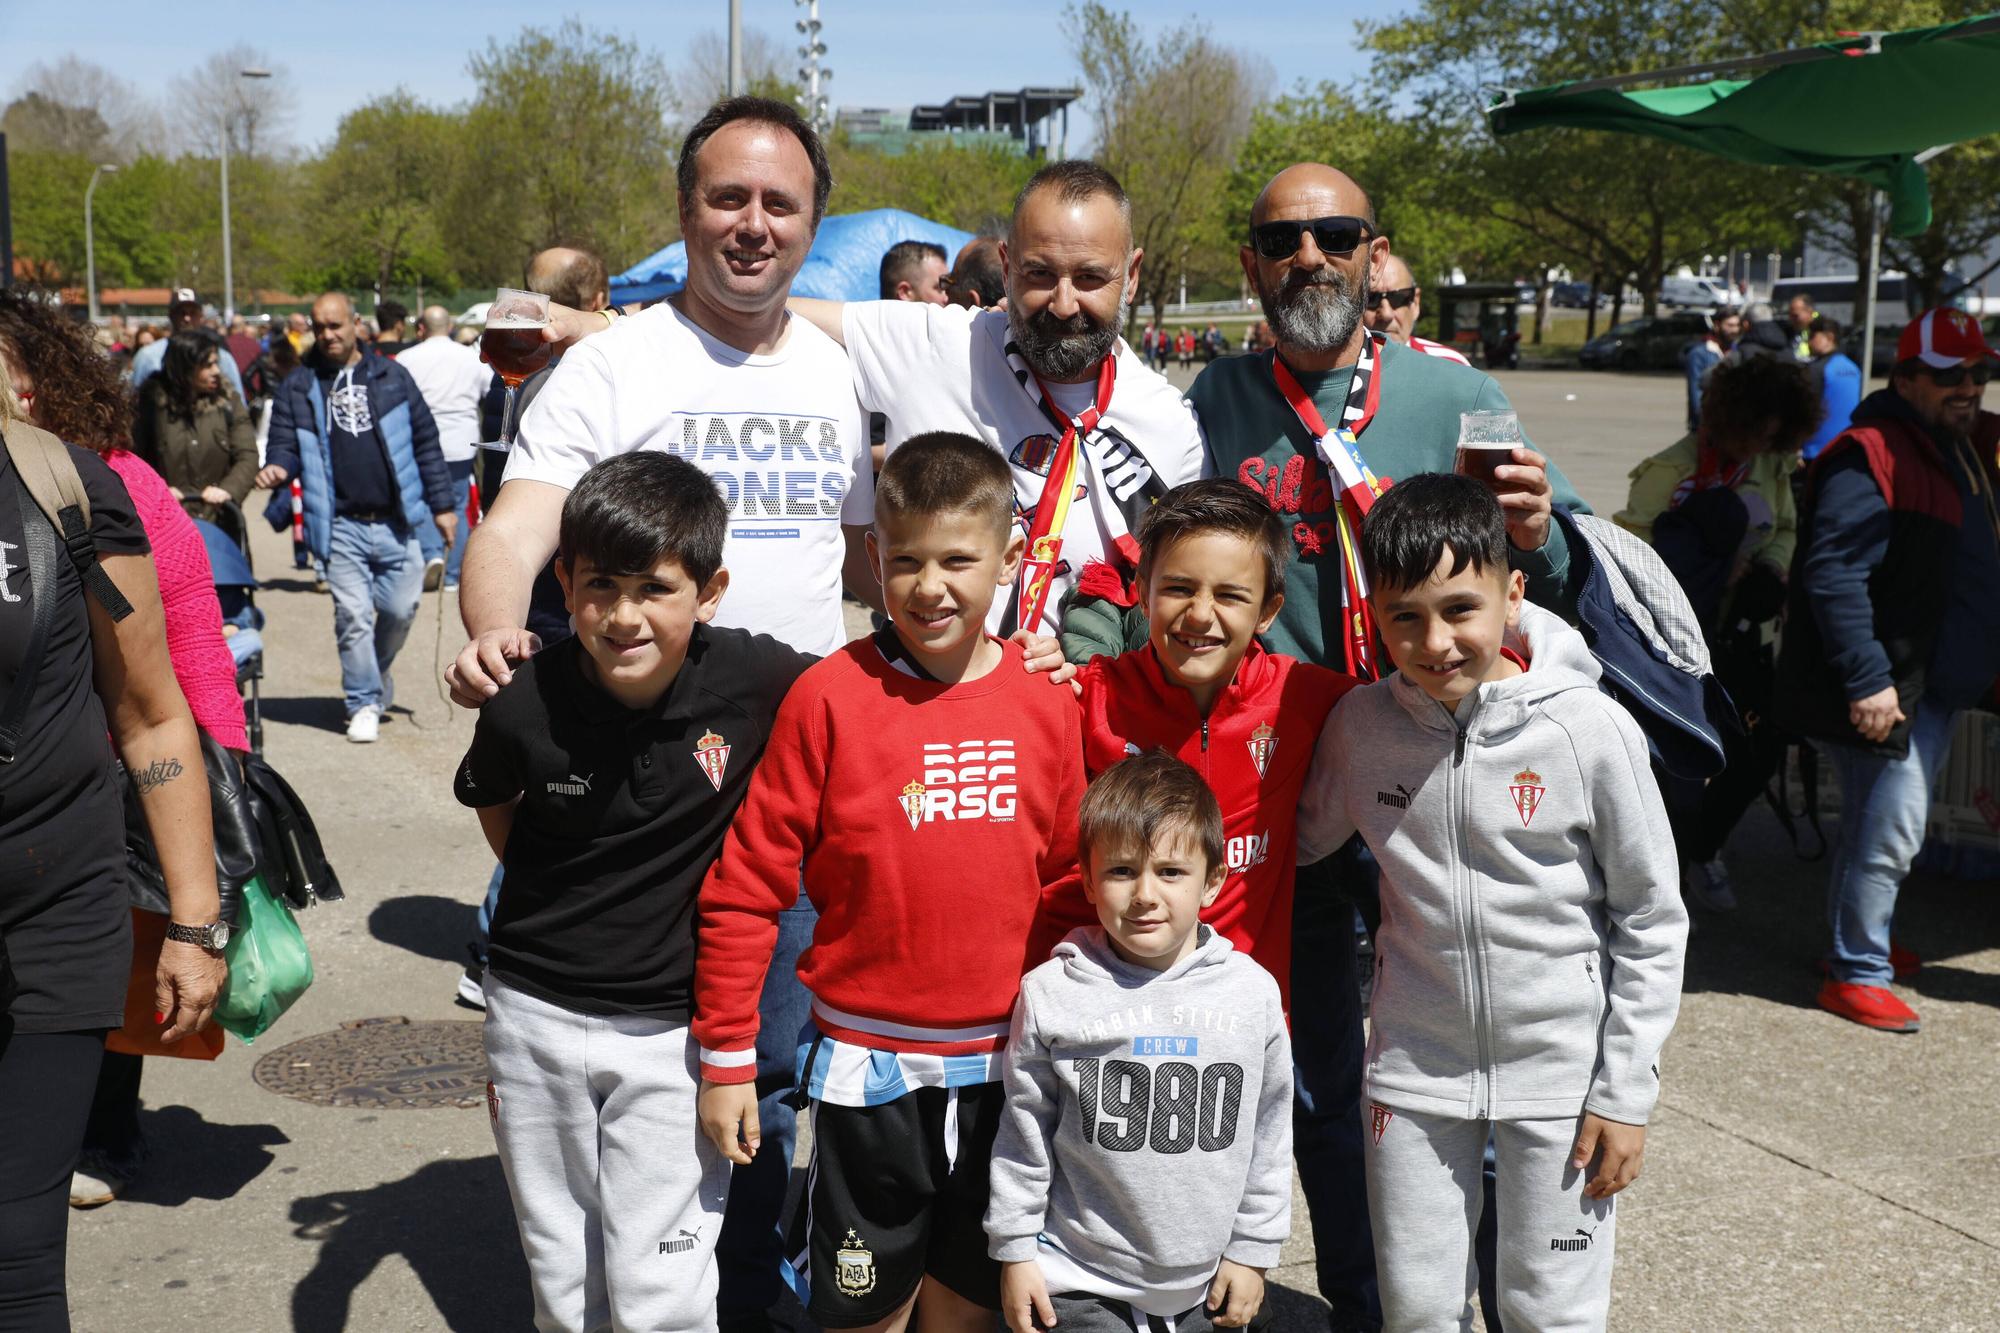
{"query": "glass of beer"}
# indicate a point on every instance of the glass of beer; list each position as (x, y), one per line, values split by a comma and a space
(513, 345)
(1486, 440)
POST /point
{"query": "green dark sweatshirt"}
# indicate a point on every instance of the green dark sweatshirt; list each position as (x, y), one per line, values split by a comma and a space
(1254, 436)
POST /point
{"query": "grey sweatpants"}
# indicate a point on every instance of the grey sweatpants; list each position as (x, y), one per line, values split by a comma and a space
(618, 1195)
(1555, 1246)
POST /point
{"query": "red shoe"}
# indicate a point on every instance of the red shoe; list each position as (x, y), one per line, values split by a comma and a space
(1904, 963)
(1870, 1006)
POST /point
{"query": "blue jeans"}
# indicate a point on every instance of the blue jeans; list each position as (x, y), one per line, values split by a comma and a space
(750, 1247)
(375, 572)
(1883, 805)
(1327, 1048)
(461, 491)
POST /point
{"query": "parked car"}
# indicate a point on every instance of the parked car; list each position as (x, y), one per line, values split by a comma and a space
(1576, 296)
(1643, 344)
(476, 313)
(1707, 293)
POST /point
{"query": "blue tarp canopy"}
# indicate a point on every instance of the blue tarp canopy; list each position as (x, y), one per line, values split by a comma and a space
(845, 263)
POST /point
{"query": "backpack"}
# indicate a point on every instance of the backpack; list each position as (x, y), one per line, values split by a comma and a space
(1642, 630)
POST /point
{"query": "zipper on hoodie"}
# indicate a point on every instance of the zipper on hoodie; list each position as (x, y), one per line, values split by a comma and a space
(1475, 950)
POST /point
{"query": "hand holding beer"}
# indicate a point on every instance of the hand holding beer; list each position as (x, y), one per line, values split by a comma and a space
(1491, 450)
(514, 346)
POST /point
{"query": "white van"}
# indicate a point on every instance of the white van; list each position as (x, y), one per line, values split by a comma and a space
(1834, 295)
(1706, 293)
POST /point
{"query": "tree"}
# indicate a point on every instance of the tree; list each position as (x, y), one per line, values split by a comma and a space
(703, 77)
(962, 185)
(1170, 113)
(566, 141)
(1607, 204)
(258, 112)
(48, 190)
(371, 220)
(73, 106)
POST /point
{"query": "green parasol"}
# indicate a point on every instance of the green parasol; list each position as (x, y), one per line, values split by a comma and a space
(1874, 106)
(1866, 106)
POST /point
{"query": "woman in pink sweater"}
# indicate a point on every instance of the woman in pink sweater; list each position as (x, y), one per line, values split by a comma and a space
(71, 390)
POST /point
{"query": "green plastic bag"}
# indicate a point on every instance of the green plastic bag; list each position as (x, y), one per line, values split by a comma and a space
(269, 967)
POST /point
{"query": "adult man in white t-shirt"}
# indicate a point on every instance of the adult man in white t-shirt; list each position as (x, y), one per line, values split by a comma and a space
(763, 403)
(1025, 380)
(452, 379)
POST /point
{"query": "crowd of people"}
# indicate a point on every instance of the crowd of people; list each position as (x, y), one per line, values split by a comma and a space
(1043, 899)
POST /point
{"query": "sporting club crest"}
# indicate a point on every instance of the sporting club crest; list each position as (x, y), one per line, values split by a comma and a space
(854, 1267)
(1527, 791)
(913, 803)
(712, 753)
(1263, 744)
(1379, 1118)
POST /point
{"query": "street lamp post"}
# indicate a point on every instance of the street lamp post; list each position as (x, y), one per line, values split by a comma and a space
(90, 238)
(228, 258)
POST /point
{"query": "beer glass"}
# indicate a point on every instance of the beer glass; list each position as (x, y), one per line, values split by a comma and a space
(514, 347)
(1486, 440)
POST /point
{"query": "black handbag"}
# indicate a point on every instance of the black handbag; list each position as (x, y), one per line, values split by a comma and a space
(238, 854)
(293, 860)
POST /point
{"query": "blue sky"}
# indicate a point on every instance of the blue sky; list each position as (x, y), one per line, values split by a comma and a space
(883, 52)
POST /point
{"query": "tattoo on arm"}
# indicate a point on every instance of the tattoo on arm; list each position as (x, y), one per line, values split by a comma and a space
(157, 773)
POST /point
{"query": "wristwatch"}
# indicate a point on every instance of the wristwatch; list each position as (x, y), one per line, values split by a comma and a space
(214, 937)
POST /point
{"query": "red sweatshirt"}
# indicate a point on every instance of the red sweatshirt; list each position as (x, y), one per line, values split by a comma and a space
(927, 817)
(1254, 750)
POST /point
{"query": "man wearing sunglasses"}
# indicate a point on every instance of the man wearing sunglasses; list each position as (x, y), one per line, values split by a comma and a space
(1892, 631)
(1396, 303)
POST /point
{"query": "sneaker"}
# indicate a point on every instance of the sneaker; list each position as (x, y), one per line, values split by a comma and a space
(1707, 884)
(433, 573)
(319, 584)
(1870, 1006)
(1903, 962)
(95, 1182)
(365, 725)
(472, 986)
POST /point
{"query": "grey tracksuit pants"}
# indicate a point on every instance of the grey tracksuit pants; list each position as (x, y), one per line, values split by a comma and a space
(1424, 1197)
(618, 1195)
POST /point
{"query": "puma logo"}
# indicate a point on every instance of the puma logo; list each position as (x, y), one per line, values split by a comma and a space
(576, 786)
(1571, 1244)
(683, 1241)
(1400, 798)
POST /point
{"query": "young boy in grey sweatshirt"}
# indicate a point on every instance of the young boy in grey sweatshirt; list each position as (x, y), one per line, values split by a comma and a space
(1142, 1170)
(1529, 962)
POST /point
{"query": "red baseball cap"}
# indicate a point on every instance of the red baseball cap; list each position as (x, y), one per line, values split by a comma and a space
(1942, 337)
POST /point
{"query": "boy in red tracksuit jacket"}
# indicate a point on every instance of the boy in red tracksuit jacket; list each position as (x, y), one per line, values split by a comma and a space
(929, 786)
(1211, 569)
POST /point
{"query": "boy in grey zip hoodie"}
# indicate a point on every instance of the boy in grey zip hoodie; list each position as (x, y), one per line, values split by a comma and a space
(1142, 1169)
(1529, 962)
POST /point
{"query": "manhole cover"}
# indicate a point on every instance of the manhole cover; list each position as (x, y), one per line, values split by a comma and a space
(381, 1064)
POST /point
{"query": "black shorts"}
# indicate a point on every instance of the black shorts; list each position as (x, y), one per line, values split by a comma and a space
(887, 1204)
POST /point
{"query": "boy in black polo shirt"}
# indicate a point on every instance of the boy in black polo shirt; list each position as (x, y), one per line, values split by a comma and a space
(605, 775)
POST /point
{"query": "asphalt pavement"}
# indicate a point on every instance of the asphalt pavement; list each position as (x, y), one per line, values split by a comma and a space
(1802, 1172)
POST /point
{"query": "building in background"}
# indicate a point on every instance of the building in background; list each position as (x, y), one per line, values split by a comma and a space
(1031, 121)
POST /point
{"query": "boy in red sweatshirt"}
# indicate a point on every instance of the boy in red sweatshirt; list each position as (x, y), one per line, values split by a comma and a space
(1211, 569)
(929, 787)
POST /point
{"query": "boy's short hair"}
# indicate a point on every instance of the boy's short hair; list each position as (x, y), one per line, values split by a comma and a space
(1132, 802)
(1418, 519)
(942, 472)
(1216, 504)
(630, 512)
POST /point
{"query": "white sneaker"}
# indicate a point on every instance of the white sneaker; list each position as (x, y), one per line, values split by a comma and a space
(365, 725)
(94, 1182)
(433, 573)
(1708, 884)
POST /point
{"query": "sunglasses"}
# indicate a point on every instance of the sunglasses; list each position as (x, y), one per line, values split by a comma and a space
(1398, 300)
(1953, 376)
(1333, 236)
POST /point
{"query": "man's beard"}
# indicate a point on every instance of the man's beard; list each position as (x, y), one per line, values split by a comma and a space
(1315, 313)
(1064, 349)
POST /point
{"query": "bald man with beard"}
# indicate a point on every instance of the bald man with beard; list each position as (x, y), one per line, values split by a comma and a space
(1311, 251)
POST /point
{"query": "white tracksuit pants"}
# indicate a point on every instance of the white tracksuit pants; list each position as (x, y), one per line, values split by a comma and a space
(618, 1194)
(1555, 1246)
